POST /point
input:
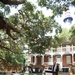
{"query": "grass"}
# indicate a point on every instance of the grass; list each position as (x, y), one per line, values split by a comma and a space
(3, 73)
(32, 74)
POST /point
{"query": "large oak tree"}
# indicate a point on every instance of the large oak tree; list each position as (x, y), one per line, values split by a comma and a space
(26, 25)
(29, 27)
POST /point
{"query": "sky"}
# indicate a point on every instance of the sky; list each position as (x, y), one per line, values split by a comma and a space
(60, 19)
(45, 11)
(49, 12)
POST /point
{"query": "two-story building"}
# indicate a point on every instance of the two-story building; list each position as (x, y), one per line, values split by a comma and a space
(63, 55)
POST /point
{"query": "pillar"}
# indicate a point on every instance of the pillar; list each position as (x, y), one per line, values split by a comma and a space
(35, 60)
(42, 59)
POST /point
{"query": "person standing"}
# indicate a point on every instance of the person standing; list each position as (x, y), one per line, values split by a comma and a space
(55, 67)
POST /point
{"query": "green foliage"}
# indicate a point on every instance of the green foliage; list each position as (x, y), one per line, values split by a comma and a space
(1, 13)
(72, 30)
(73, 2)
(58, 6)
(14, 19)
(6, 10)
(72, 37)
(41, 2)
(14, 59)
(33, 26)
(28, 6)
(63, 36)
(2, 5)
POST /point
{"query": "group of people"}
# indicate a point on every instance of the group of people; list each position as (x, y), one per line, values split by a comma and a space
(55, 67)
(52, 69)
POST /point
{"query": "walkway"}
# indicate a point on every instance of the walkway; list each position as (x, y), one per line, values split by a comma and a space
(63, 73)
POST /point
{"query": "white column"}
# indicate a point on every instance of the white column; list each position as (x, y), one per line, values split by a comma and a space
(72, 59)
(61, 48)
(35, 60)
(42, 59)
(72, 55)
(51, 59)
(61, 65)
(72, 48)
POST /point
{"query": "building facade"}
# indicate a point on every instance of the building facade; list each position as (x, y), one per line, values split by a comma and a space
(64, 56)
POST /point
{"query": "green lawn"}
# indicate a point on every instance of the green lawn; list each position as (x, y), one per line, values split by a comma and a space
(32, 74)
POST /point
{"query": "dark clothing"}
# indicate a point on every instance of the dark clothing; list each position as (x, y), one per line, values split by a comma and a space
(55, 68)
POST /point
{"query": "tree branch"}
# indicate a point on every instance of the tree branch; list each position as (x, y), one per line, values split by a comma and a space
(8, 49)
(8, 27)
(9, 2)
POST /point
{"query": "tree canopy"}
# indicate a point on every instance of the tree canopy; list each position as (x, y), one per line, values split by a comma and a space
(29, 27)
(26, 26)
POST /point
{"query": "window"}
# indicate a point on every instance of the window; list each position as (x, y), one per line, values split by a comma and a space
(68, 48)
(68, 59)
(58, 58)
(49, 59)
